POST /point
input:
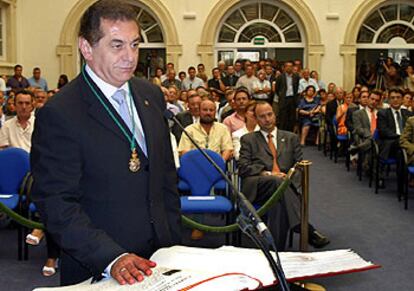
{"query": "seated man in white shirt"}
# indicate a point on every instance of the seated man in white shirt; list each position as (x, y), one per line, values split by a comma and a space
(17, 131)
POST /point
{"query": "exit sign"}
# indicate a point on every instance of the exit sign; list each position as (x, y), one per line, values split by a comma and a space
(259, 41)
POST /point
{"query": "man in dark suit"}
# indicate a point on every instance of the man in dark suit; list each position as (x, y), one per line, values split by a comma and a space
(105, 181)
(230, 80)
(265, 158)
(192, 115)
(287, 85)
(390, 124)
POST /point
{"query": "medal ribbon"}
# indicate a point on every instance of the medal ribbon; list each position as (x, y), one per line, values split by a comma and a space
(130, 138)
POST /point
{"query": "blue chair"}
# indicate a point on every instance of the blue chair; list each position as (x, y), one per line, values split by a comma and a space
(14, 165)
(199, 176)
(380, 162)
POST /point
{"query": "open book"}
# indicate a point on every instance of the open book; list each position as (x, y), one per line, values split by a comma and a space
(229, 268)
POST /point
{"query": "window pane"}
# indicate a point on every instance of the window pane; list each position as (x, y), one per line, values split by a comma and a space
(406, 12)
(146, 20)
(374, 21)
(155, 35)
(365, 35)
(226, 34)
(394, 31)
(283, 20)
(235, 20)
(389, 12)
(259, 29)
(226, 56)
(268, 11)
(251, 11)
(292, 34)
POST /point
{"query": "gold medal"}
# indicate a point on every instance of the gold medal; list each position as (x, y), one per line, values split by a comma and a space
(134, 162)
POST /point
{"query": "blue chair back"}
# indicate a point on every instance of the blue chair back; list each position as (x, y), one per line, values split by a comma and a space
(375, 135)
(198, 173)
(14, 164)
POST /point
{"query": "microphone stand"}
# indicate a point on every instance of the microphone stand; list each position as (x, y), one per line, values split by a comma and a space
(248, 220)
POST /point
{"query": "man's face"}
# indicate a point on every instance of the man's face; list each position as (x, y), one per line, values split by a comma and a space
(194, 105)
(24, 106)
(171, 75)
(216, 73)
(364, 99)
(407, 100)
(230, 70)
(249, 71)
(172, 95)
(395, 100)
(265, 117)
(36, 74)
(200, 69)
(191, 73)
(41, 98)
(207, 112)
(288, 67)
(241, 99)
(268, 70)
(237, 67)
(340, 93)
(18, 71)
(306, 74)
(374, 101)
(114, 57)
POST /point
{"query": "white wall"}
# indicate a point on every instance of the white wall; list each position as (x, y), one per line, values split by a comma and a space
(39, 24)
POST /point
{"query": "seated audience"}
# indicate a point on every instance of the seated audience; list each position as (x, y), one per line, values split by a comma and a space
(309, 113)
(236, 120)
(265, 158)
(37, 81)
(192, 115)
(191, 82)
(390, 124)
(208, 133)
(341, 113)
(248, 79)
(261, 87)
(17, 81)
(250, 126)
(171, 80)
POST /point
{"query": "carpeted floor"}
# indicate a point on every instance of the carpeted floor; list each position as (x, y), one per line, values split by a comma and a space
(344, 209)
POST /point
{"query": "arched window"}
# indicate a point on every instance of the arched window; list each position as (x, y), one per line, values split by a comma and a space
(151, 32)
(260, 29)
(386, 23)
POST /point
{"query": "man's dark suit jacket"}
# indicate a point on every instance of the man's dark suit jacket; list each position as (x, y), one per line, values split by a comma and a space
(185, 118)
(230, 81)
(256, 157)
(388, 138)
(90, 202)
(281, 87)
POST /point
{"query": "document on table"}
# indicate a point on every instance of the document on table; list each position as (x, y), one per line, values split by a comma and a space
(228, 268)
(6, 196)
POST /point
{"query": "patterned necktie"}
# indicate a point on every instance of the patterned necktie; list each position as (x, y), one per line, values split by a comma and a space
(272, 147)
(373, 122)
(119, 97)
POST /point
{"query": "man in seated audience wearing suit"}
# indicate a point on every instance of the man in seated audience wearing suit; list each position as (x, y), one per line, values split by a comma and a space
(104, 174)
(265, 158)
(192, 115)
(208, 133)
(407, 143)
(364, 125)
(390, 124)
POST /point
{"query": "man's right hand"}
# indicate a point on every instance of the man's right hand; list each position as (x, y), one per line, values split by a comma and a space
(130, 269)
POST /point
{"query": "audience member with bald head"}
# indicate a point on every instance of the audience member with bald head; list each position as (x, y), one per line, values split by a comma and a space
(208, 133)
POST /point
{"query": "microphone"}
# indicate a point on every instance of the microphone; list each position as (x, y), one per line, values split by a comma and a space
(248, 220)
